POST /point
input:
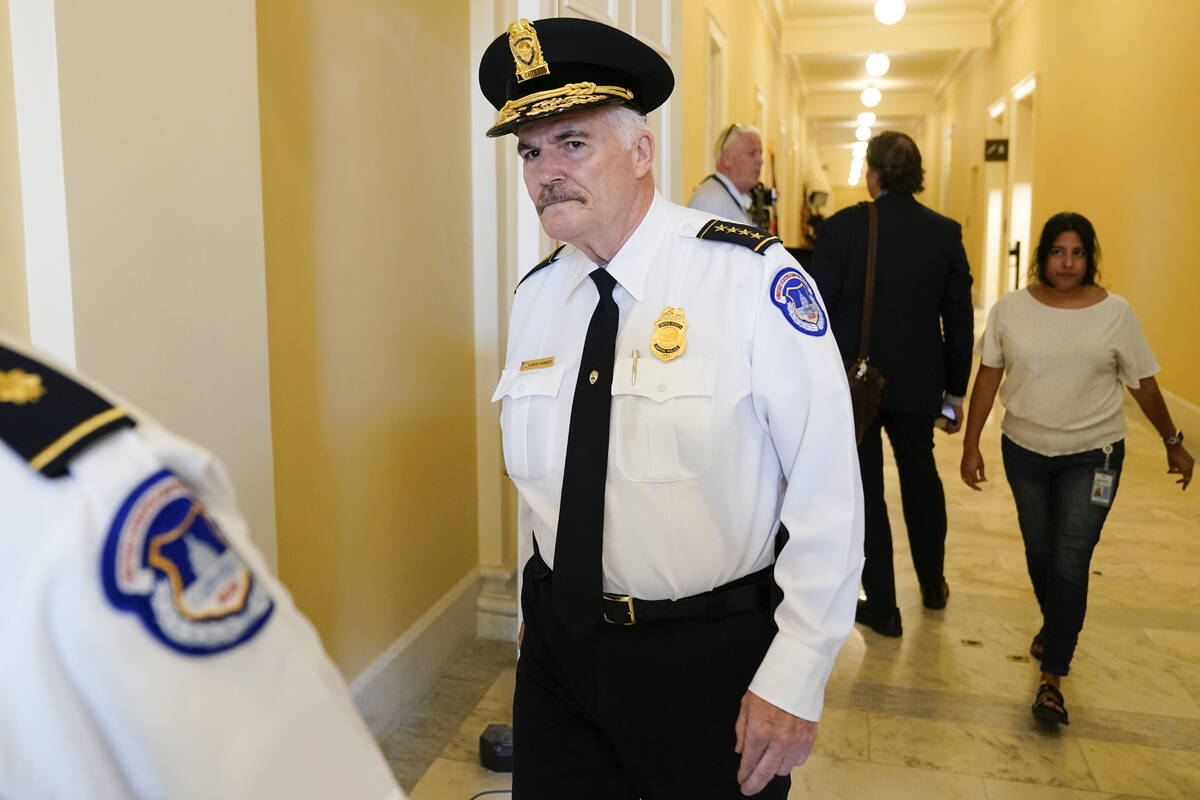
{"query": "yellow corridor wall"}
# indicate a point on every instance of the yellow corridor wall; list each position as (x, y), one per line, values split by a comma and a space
(365, 120)
(1115, 141)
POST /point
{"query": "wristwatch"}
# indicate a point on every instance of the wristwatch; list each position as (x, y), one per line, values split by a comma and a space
(1171, 441)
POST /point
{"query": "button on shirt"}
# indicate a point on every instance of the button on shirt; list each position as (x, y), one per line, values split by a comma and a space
(709, 451)
(92, 705)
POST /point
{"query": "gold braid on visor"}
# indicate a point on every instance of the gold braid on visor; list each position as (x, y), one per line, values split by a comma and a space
(573, 94)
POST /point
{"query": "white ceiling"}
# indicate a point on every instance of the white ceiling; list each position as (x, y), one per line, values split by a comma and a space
(829, 41)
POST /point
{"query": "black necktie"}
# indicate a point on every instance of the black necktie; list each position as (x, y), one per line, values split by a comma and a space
(578, 571)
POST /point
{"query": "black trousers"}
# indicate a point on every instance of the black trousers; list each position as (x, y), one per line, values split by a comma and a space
(921, 495)
(641, 712)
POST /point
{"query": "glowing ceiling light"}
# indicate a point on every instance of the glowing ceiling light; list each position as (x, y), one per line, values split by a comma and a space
(853, 180)
(889, 12)
(870, 97)
(859, 150)
(856, 164)
(878, 64)
(862, 133)
(866, 118)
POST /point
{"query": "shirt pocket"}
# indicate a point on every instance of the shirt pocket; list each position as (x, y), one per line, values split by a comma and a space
(528, 419)
(662, 421)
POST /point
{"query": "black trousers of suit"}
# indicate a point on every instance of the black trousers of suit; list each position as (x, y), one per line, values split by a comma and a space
(640, 712)
(921, 495)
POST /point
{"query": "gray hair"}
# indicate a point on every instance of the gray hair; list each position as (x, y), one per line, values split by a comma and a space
(729, 136)
(627, 123)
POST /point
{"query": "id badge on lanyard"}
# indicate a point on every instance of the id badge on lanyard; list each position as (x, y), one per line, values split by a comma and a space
(1103, 481)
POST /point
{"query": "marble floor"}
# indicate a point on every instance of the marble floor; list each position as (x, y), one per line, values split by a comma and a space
(943, 712)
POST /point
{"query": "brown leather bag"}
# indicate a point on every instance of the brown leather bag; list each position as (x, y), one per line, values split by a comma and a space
(866, 384)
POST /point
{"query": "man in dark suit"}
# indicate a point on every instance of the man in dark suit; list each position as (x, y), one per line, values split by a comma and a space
(921, 337)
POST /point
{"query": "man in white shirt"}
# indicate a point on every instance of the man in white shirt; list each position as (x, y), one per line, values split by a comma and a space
(739, 158)
(145, 650)
(671, 399)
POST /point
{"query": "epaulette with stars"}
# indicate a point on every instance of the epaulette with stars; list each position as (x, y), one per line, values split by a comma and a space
(545, 262)
(721, 230)
(46, 417)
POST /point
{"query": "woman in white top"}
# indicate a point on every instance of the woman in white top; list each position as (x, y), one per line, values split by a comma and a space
(1066, 345)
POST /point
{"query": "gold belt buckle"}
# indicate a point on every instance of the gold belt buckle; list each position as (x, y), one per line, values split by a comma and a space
(628, 601)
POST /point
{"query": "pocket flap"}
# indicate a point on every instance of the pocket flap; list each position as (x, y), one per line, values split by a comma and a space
(661, 381)
(515, 383)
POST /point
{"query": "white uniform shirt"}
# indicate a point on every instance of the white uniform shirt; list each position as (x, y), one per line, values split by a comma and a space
(708, 451)
(95, 704)
(716, 194)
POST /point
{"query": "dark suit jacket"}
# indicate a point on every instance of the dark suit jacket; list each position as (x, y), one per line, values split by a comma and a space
(922, 327)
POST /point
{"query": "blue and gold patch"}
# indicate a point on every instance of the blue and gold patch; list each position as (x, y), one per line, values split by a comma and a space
(169, 563)
(722, 230)
(797, 299)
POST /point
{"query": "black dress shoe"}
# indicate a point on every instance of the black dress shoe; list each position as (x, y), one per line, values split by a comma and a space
(884, 625)
(935, 597)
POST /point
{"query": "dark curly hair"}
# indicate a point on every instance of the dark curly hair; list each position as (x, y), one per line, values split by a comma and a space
(1067, 222)
(897, 161)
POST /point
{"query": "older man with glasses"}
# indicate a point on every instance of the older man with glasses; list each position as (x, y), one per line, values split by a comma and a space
(738, 155)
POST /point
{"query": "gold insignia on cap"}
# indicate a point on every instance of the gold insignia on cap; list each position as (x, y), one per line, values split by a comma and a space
(526, 50)
(564, 97)
(670, 334)
(20, 387)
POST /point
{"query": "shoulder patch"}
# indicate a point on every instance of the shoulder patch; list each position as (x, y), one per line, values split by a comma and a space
(47, 417)
(721, 230)
(167, 562)
(545, 262)
(797, 300)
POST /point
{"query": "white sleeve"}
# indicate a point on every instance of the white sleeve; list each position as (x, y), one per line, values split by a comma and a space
(801, 396)
(1135, 359)
(990, 348)
(267, 716)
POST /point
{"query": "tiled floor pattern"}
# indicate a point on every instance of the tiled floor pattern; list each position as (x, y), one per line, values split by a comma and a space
(943, 712)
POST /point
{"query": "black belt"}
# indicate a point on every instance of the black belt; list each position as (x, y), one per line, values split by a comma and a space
(750, 593)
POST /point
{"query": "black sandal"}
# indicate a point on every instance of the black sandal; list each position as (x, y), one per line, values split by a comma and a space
(1049, 705)
(1037, 648)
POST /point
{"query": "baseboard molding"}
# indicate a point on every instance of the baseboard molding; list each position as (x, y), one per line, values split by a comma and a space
(497, 605)
(1184, 414)
(396, 681)
(1186, 417)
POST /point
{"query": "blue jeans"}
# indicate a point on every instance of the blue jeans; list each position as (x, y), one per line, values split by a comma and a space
(1061, 526)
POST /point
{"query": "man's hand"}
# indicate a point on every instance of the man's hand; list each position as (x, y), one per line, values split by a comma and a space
(771, 742)
(954, 425)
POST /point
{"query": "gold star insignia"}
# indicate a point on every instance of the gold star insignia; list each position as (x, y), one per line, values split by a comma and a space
(20, 387)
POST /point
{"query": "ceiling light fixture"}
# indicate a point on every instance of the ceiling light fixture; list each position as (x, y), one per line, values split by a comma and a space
(866, 118)
(862, 133)
(853, 180)
(859, 150)
(878, 64)
(889, 12)
(870, 97)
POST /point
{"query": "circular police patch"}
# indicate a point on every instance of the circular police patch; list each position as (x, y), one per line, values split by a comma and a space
(167, 562)
(797, 299)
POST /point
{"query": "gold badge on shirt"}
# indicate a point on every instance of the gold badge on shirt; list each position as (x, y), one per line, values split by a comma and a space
(670, 334)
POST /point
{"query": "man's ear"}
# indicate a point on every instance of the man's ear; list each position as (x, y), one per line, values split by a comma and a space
(643, 154)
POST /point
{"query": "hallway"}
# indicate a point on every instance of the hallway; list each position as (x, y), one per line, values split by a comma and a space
(943, 712)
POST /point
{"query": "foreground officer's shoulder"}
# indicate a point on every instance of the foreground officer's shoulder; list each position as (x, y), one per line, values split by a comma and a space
(46, 417)
(722, 230)
(545, 262)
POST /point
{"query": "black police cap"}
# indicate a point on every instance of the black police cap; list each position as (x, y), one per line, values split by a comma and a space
(561, 64)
